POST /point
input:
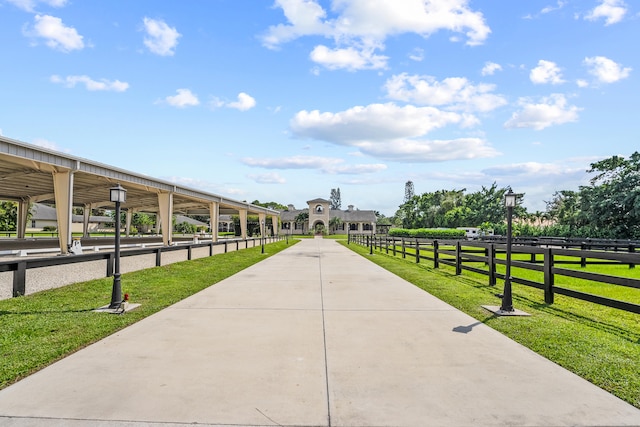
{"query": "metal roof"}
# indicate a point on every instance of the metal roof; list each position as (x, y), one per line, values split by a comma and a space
(26, 174)
(345, 216)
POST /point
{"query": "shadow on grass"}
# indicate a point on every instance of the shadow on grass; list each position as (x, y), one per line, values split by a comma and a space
(590, 322)
(27, 313)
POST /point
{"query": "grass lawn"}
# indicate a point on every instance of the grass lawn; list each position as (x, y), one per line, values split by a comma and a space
(598, 343)
(36, 330)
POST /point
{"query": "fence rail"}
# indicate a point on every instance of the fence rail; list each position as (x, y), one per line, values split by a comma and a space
(19, 267)
(482, 258)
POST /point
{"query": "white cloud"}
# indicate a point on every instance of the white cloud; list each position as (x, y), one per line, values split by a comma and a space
(325, 164)
(90, 84)
(426, 151)
(373, 122)
(161, 39)
(552, 110)
(294, 162)
(533, 169)
(611, 10)
(29, 5)
(245, 102)
(546, 72)
(348, 58)
(357, 169)
(548, 9)
(268, 178)
(417, 55)
(57, 35)
(184, 98)
(582, 83)
(360, 27)
(215, 187)
(391, 132)
(457, 93)
(490, 68)
(606, 70)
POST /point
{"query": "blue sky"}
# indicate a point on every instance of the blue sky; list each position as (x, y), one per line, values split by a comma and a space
(284, 100)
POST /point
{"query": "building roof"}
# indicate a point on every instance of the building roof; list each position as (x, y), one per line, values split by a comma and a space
(40, 212)
(345, 216)
(318, 201)
(181, 218)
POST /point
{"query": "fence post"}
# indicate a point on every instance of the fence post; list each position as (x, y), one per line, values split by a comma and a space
(404, 250)
(458, 259)
(189, 253)
(583, 260)
(436, 259)
(386, 244)
(548, 276)
(491, 258)
(632, 250)
(393, 243)
(417, 252)
(19, 279)
(225, 246)
(158, 257)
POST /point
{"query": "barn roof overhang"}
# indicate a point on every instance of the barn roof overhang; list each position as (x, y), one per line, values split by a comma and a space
(26, 171)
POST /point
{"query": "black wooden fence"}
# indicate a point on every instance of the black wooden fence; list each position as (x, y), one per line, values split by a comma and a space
(481, 257)
(19, 267)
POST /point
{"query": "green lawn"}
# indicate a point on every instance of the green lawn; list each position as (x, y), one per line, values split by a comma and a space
(39, 329)
(598, 343)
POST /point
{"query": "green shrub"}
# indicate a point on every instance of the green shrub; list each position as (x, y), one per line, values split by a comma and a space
(428, 233)
(49, 228)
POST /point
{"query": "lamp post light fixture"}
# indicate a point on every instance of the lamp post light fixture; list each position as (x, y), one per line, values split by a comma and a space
(507, 302)
(117, 195)
(262, 236)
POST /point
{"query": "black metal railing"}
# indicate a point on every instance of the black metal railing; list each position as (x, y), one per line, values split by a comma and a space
(19, 267)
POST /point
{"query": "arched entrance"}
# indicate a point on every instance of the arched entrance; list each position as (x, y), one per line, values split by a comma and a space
(319, 227)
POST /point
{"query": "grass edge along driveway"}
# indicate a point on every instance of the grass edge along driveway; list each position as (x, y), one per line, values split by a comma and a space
(598, 343)
(39, 329)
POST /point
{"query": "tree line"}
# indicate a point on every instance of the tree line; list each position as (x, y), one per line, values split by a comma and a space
(609, 207)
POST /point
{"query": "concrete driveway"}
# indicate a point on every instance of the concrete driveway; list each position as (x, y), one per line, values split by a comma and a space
(313, 336)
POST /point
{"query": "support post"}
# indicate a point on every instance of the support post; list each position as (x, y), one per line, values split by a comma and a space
(436, 256)
(19, 279)
(491, 259)
(63, 193)
(548, 276)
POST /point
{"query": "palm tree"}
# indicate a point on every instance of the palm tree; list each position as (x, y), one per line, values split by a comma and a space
(334, 223)
(302, 218)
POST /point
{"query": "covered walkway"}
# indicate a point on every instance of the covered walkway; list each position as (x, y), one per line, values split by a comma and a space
(313, 336)
(31, 174)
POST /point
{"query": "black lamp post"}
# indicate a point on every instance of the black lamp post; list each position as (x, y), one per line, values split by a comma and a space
(262, 236)
(510, 203)
(117, 195)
